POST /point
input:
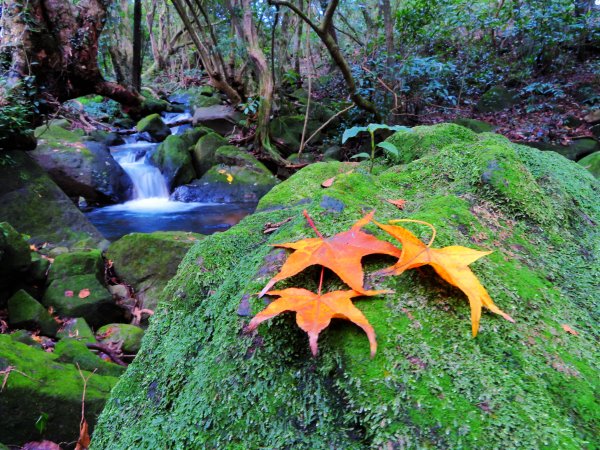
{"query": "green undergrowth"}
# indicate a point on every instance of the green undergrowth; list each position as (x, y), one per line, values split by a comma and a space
(199, 381)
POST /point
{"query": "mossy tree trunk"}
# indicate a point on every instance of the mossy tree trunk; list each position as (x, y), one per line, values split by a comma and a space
(54, 43)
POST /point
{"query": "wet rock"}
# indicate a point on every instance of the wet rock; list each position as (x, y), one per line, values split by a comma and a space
(106, 137)
(173, 159)
(288, 131)
(98, 308)
(25, 312)
(204, 152)
(239, 178)
(593, 117)
(333, 153)
(220, 118)
(85, 169)
(129, 336)
(576, 150)
(154, 126)
(192, 135)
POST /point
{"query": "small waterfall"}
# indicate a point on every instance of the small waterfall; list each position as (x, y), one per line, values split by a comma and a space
(147, 180)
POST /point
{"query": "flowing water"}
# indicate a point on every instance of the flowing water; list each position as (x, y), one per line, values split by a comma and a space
(150, 208)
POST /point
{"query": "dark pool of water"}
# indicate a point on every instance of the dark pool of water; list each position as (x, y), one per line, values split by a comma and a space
(148, 215)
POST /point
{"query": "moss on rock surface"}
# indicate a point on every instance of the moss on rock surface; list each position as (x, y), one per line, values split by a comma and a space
(38, 383)
(199, 382)
(35, 205)
(147, 261)
(154, 126)
(173, 159)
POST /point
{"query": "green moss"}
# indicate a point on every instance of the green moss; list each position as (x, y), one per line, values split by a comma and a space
(477, 126)
(173, 159)
(78, 329)
(418, 141)
(77, 263)
(204, 152)
(154, 125)
(98, 308)
(54, 135)
(199, 382)
(40, 384)
(72, 351)
(25, 312)
(129, 336)
(592, 163)
(147, 261)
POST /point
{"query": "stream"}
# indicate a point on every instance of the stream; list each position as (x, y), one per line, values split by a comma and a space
(150, 209)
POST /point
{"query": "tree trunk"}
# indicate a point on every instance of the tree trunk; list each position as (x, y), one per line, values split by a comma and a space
(136, 70)
(59, 49)
(388, 25)
(120, 49)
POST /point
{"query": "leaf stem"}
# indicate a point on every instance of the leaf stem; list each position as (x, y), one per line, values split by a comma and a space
(312, 224)
(321, 280)
(422, 223)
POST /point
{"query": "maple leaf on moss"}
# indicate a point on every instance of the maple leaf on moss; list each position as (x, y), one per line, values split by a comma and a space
(451, 263)
(341, 253)
(315, 311)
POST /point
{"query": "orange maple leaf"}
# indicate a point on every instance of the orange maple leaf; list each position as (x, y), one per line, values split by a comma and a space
(341, 253)
(397, 203)
(315, 311)
(569, 330)
(451, 263)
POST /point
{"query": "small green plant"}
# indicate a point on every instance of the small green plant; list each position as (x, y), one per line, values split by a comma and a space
(371, 129)
(41, 423)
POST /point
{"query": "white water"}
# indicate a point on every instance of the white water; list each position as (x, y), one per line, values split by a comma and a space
(150, 191)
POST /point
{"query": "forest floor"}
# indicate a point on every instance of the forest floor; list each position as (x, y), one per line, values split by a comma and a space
(553, 113)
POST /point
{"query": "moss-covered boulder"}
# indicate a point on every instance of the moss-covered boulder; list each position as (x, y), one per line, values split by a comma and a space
(192, 135)
(37, 383)
(69, 350)
(204, 152)
(496, 99)
(220, 118)
(81, 168)
(199, 381)
(85, 262)
(15, 256)
(26, 312)
(154, 126)
(287, 130)
(128, 336)
(416, 142)
(97, 307)
(78, 329)
(592, 163)
(575, 150)
(147, 261)
(238, 178)
(173, 159)
(478, 126)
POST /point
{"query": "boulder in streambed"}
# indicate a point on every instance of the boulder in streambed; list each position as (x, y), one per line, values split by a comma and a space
(576, 150)
(220, 118)
(15, 255)
(38, 383)
(128, 337)
(154, 126)
(430, 384)
(592, 163)
(83, 296)
(238, 178)
(173, 159)
(76, 352)
(84, 262)
(288, 131)
(81, 168)
(26, 312)
(78, 329)
(147, 261)
(204, 152)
